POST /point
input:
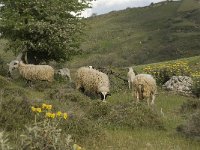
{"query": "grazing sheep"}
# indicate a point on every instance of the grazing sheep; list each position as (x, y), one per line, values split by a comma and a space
(33, 72)
(144, 87)
(64, 72)
(92, 80)
(131, 76)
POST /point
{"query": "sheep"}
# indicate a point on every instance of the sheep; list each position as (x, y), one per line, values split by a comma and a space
(144, 87)
(130, 76)
(64, 72)
(93, 81)
(32, 72)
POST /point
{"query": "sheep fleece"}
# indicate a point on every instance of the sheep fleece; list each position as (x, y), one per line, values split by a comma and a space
(148, 82)
(37, 72)
(92, 80)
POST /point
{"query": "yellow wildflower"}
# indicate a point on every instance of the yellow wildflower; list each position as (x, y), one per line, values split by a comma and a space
(49, 107)
(53, 115)
(33, 109)
(44, 106)
(65, 115)
(59, 113)
(48, 114)
(39, 110)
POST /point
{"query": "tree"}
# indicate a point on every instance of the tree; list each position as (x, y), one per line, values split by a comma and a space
(44, 30)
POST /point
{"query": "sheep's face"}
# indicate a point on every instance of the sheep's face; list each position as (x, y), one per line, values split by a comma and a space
(104, 95)
(13, 65)
(59, 72)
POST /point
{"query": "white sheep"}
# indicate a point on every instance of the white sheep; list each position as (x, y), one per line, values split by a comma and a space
(130, 76)
(93, 81)
(33, 72)
(64, 72)
(144, 87)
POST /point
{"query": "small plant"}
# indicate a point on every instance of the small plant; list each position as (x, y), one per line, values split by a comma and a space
(4, 141)
(46, 134)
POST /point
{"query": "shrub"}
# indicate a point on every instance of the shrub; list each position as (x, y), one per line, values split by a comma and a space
(133, 115)
(46, 134)
(196, 84)
(191, 128)
(163, 72)
(190, 105)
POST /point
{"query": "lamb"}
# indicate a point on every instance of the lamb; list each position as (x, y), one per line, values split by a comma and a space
(144, 87)
(93, 81)
(64, 72)
(33, 72)
(131, 76)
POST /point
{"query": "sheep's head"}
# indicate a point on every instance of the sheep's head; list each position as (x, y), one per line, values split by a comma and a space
(130, 69)
(104, 92)
(58, 72)
(104, 95)
(13, 65)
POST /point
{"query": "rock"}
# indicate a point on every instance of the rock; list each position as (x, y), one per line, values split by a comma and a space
(182, 84)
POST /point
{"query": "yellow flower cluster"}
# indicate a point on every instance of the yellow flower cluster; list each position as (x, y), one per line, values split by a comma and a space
(196, 74)
(50, 115)
(34, 109)
(45, 106)
(47, 110)
(166, 70)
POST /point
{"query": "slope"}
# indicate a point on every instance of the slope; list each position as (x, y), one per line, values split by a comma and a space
(141, 35)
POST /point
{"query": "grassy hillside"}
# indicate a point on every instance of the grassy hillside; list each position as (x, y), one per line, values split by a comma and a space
(141, 35)
(188, 5)
(118, 124)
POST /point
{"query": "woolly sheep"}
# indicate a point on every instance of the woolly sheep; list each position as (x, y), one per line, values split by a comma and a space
(33, 72)
(64, 72)
(94, 81)
(144, 87)
(130, 76)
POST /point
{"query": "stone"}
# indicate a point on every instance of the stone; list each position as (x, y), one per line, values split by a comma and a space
(182, 84)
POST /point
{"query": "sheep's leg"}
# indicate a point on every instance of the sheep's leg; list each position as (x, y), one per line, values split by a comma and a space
(137, 97)
(129, 84)
(153, 99)
(29, 83)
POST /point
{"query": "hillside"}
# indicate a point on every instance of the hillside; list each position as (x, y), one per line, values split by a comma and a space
(141, 35)
(189, 5)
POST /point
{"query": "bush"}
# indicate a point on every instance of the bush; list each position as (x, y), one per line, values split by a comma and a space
(190, 106)
(133, 115)
(128, 115)
(191, 128)
(15, 113)
(196, 85)
(163, 72)
(46, 134)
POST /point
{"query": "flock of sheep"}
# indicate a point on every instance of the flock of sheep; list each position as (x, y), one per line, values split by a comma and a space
(88, 79)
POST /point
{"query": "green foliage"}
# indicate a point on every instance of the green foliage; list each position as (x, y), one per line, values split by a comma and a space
(164, 72)
(4, 141)
(46, 134)
(191, 128)
(196, 85)
(45, 30)
(141, 36)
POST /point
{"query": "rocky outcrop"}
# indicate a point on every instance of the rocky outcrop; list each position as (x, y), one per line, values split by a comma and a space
(182, 84)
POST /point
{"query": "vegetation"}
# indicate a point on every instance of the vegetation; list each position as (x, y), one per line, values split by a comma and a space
(44, 114)
(43, 30)
(141, 36)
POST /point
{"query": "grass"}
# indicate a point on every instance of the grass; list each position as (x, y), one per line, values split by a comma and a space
(140, 36)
